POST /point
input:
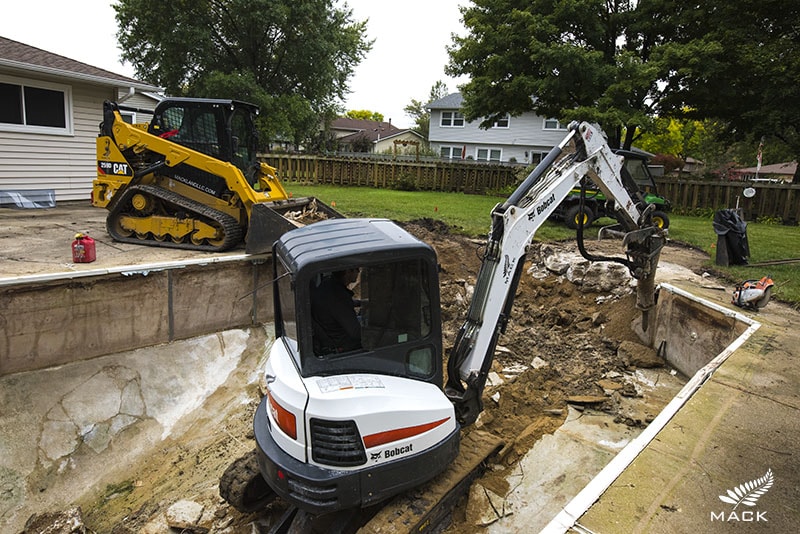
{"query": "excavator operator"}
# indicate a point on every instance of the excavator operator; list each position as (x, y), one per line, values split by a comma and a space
(336, 326)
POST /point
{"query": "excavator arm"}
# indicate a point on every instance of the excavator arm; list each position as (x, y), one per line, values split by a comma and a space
(582, 153)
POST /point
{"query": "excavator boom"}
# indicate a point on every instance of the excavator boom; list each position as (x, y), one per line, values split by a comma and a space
(514, 224)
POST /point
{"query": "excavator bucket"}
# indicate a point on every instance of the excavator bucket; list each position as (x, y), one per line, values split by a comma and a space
(270, 220)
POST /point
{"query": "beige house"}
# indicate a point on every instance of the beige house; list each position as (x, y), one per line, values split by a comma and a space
(380, 137)
(50, 110)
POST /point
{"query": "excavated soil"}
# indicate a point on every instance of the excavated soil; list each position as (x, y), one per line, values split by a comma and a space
(560, 345)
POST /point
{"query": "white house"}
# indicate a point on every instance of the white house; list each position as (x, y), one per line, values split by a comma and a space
(524, 139)
(50, 111)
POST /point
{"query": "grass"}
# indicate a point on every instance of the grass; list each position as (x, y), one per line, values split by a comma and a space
(470, 215)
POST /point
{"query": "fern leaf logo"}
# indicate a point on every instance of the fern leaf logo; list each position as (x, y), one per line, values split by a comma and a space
(749, 492)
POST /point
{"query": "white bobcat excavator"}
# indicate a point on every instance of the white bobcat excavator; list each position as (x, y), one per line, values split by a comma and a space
(347, 429)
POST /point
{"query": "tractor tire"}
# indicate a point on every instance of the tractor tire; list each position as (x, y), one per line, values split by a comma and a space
(243, 487)
(572, 217)
(661, 220)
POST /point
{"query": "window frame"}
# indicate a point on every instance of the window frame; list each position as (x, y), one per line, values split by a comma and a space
(557, 128)
(455, 152)
(454, 116)
(506, 119)
(66, 90)
(489, 151)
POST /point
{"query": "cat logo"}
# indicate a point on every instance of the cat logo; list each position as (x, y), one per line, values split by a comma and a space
(114, 168)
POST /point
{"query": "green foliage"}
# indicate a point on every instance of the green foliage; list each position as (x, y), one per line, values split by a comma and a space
(738, 62)
(293, 59)
(361, 144)
(364, 115)
(622, 64)
(559, 58)
(405, 182)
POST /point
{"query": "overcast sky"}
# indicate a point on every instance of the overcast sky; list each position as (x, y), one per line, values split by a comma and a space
(407, 58)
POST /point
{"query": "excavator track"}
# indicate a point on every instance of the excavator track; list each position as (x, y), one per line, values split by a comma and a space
(423, 509)
(181, 211)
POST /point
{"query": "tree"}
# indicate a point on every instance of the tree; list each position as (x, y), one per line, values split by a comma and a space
(738, 62)
(292, 58)
(568, 59)
(364, 115)
(622, 63)
(416, 109)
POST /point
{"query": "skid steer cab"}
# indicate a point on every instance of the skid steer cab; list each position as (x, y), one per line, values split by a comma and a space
(354, 411)
(190, 179)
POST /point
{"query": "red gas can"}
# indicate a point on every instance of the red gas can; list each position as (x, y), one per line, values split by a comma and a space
(83, 249)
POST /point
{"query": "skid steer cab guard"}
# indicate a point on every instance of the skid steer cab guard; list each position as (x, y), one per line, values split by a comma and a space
(346, 426)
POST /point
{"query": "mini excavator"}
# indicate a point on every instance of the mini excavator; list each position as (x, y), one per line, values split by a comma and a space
(350, 430)
(190, 179)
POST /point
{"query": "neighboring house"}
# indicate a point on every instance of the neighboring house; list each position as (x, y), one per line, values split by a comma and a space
(50, 111)
(382, 136)
(524, 139)
(777, 172)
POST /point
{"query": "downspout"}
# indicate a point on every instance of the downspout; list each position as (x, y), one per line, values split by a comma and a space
(131, 92)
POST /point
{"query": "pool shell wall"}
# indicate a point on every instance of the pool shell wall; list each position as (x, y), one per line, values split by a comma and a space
(48, 321)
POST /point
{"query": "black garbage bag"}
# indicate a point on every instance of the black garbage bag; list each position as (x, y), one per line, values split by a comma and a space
(732, 245)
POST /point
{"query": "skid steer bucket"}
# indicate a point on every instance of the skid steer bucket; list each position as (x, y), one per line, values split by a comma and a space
(270, 220)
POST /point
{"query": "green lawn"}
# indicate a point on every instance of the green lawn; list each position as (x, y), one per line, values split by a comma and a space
(470, 215)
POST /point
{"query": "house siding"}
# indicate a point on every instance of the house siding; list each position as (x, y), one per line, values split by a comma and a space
(63, 163)
(524, 137)
(140, 101)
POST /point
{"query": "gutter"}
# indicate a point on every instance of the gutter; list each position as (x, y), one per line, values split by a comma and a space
(91, 78)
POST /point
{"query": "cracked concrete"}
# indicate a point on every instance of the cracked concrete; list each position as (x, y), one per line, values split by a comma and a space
(67, 429)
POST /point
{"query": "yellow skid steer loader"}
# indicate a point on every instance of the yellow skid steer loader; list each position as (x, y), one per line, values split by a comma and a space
(190, 179)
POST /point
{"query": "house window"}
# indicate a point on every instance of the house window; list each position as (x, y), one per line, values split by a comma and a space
(488, 154)
(553, 124)
(537, 157)
(34, 107)
(502, 122)
(450, 152)
(452, 119)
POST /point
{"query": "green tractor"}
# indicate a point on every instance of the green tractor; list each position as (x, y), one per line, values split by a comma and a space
(595, 204)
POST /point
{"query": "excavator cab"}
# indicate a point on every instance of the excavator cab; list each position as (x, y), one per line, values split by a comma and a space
(393, 308)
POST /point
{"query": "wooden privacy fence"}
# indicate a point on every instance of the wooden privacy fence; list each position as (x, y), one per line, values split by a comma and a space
(471, 178)
(771, 200)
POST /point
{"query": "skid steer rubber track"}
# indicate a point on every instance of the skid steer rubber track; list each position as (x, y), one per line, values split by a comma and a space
(232, 233)
(423, 509)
